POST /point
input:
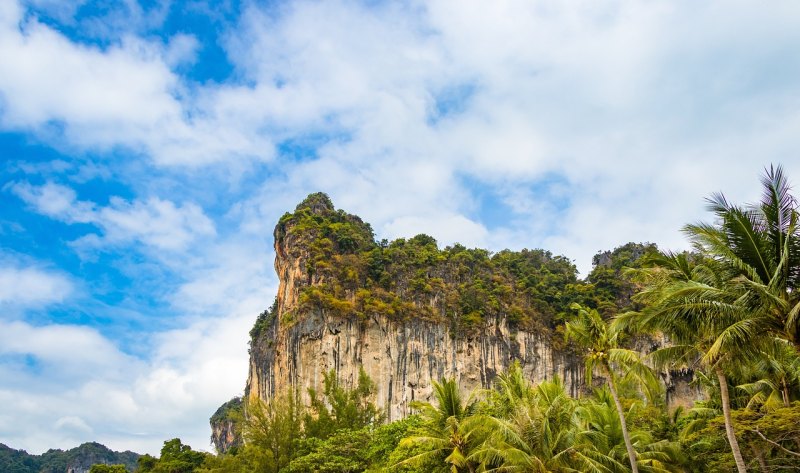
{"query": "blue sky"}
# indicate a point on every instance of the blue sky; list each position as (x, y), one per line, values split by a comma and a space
(147, 149)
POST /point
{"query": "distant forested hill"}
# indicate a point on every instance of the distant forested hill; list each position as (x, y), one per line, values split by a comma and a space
(75, 460)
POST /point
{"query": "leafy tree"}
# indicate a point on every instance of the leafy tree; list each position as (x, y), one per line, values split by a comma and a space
(342, 452)
(341, 408)
(613, 290)
(146, 463)
(385, 440)
(771, 437)
(175, 458)
(271, 431)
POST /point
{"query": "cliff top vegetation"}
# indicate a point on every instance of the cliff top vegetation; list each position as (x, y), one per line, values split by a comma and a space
(349, 273)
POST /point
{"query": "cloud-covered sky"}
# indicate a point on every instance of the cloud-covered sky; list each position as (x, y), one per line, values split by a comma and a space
(147, 148)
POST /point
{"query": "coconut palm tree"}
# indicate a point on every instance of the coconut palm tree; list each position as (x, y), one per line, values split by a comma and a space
(450, 432)
(743, 293)
(601, 432)
(776, 375)
(511, 389)
(539, 436)
(691, 300)
(759, 247)
(603, 353)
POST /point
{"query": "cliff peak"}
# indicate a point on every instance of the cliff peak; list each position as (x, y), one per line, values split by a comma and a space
(318, 203)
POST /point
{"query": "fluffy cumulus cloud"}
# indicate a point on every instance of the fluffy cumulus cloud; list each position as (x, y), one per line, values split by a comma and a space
(635, 106)
(123, 95)
(574, 127)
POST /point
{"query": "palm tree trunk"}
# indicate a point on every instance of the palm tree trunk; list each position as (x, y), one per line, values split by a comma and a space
(621, 413)
(785, 393)
(726, 412)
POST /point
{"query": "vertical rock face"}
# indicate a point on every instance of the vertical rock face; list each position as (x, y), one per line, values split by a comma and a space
(401, 357)
(409, 314)
(297, 343)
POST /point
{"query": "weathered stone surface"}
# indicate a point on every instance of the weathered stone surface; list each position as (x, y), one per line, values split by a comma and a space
(401, 357)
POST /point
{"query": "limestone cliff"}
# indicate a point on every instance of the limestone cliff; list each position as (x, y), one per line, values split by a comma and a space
(312, 328)
(401, 357)
(224, 423)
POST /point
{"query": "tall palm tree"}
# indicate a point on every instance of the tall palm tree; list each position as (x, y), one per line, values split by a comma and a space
(511, 390)
(603, 353)
(759, 246)
(743, 294)
(602, 433)
(690, 299)
(450, 432)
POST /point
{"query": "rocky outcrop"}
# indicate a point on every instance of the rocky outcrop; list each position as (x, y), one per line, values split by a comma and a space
(297, 344)
(82, 458)
(224, 425)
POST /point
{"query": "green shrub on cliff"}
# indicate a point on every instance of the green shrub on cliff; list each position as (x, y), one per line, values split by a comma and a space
(103, 468)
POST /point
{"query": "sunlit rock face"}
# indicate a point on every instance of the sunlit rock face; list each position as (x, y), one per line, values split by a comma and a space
(401, 357)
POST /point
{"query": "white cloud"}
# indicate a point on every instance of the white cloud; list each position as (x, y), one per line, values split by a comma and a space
(235, 274)
(30, 286)
(154, 222)
(125, 95)
(446, 229)
(74, 349)
(72, 423)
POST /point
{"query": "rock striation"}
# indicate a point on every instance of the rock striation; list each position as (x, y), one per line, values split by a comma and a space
(401, 357)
